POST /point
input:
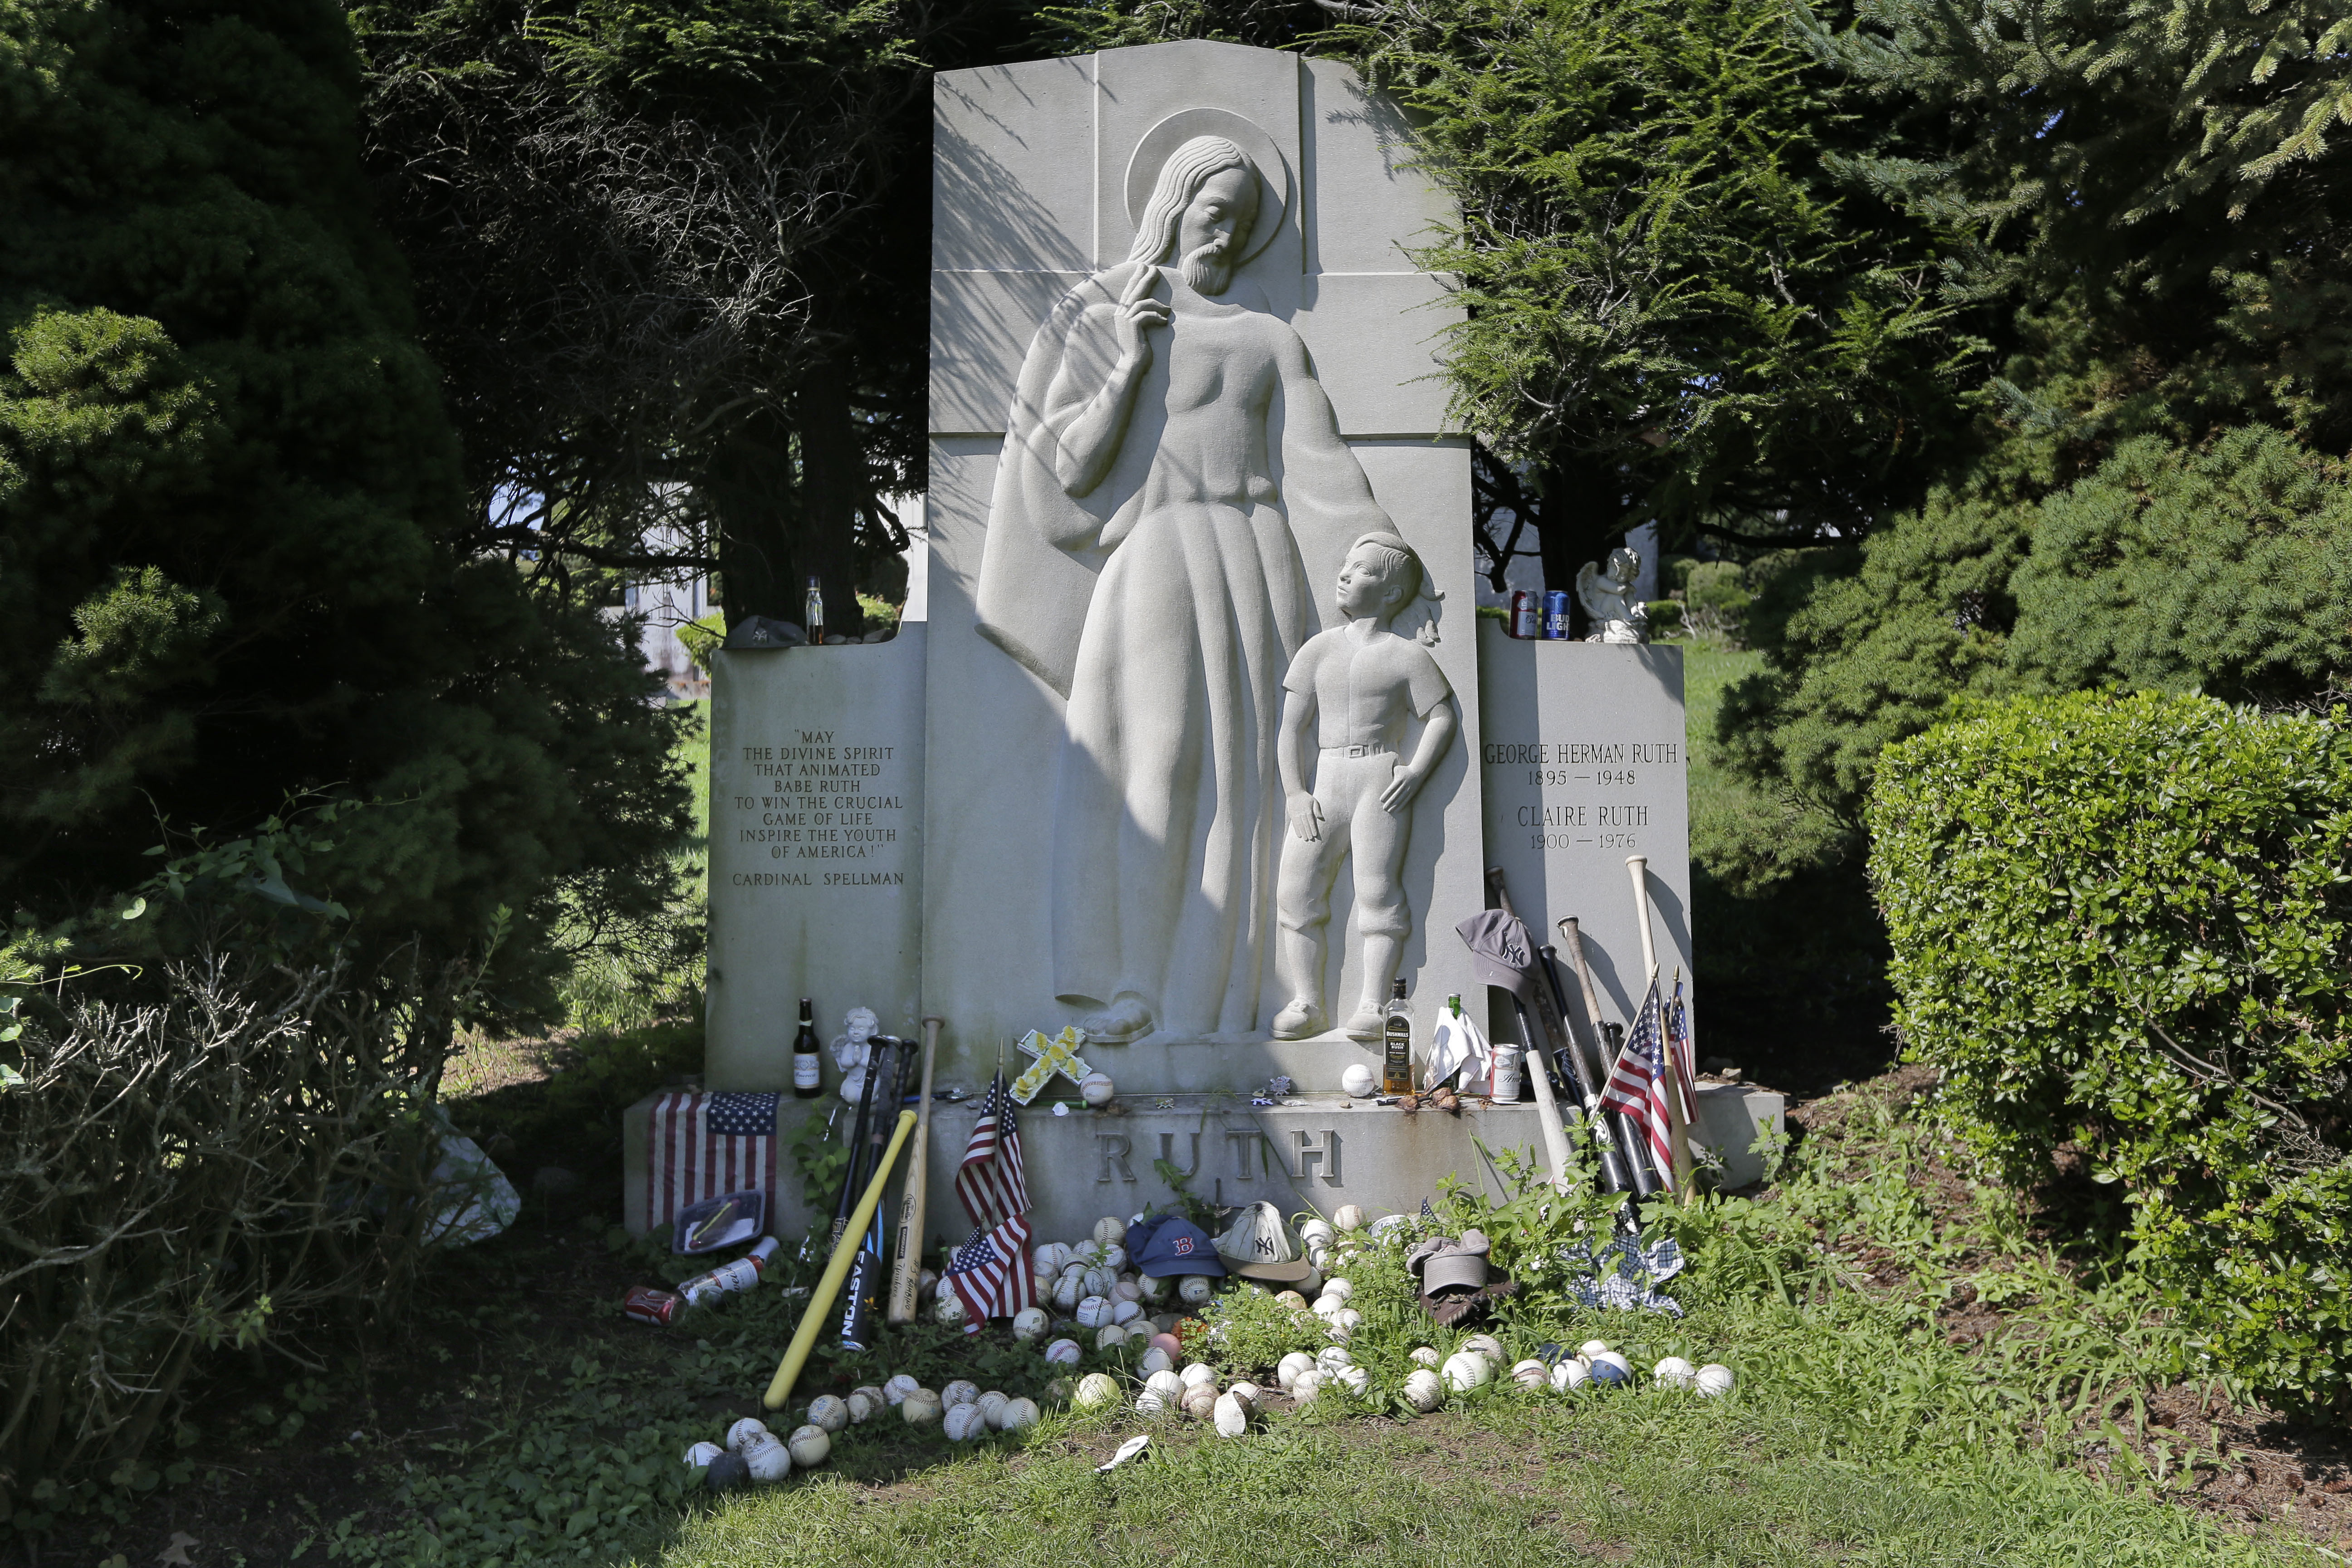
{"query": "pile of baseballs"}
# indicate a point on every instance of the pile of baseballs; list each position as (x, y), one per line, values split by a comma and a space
(1094, 1284)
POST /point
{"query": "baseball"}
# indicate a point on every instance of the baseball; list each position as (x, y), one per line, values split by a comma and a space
(1422, 1391)
(1129, 1290)
(926, 1282)
(699, 1456)
(1591, 1348)
(1154, 1360)
(1169, 1343)
(1293, 1364)
(741, 1434)
(1151, 1286)
(1114, 1257)
(1197, 1374)
(1290, 1298)
(1306, 1385)
(1109, 1337)
(965, 1423)
(1714, 1380)
(992, 1405)
(1426, 1356)
(1571, 1373)
(1200, 1402)
(1249, 1393)
(950, 1309)
(1067, 1289)
(963, 1391)
(768, 1459)
(1195, 1289)
(1049, 1258)
(1165, 1384)
(1093, 1312)
(1487, 1345)
(920, 1408)
(1331, 1358)
(1124, 1312)
(1349, 1217)
(1463, 1370)
(1063, 1352)
(1359, 1081)
(1530, 1373)
(1095, 1391)
(1029, 1322)
(1150, 1405)
(1316, 1233)
(898, 1387)
(809, 1447)
(1320, 1255)
(1097, 1089)
(1346, 1317)
(1087, 1252)
(1020, 1414)
(1357, 1380)
(1340, 1287)
(1108, 1229)
(1326, 1304)
(874, 1402)
(1229, 1416)
(1674, 1372)
(829, 1412)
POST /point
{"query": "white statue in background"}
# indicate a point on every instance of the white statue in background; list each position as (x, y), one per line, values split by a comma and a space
(1359, 687)
(853, 1051)
(1617, 615)
(1142, 561)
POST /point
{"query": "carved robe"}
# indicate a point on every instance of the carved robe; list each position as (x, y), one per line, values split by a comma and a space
(1165, 605)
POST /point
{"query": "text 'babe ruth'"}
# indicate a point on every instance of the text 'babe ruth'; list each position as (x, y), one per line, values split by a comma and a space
(1358, 686)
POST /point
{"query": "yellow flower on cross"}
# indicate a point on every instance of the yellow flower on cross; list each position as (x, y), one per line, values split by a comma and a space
(1058, 1055)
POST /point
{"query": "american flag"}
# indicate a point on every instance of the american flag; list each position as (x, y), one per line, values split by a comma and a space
(1637, 1085)
(1682, 1053)
(989, 1181)
(700, 1145)
(990, 1275)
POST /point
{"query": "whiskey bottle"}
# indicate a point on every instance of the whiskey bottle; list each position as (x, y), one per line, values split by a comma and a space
(1396, 1065)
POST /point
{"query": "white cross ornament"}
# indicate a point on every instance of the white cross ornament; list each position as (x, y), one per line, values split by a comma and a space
(1058, 1055)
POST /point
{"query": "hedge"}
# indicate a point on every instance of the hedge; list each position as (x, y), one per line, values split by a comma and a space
(2121, 920)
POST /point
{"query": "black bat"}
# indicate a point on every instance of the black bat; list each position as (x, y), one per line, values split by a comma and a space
(1619, 1171)
(863, 1291)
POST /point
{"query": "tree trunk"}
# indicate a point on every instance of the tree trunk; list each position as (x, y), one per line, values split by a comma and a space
(1583, 518)
(832, 486)
(751, 489)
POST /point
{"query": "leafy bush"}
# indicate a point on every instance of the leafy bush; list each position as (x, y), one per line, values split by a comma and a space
(2121, 920)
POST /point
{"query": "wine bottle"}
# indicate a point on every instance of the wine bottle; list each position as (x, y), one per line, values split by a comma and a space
(808, 1066)
(813, 611)
(1396, 1066)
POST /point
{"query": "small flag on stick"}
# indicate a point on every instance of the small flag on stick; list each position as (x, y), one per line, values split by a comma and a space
(1638, 1085)
(989, 1183)
(990, 1275)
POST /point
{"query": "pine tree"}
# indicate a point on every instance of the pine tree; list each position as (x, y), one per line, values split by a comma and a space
(231, 519)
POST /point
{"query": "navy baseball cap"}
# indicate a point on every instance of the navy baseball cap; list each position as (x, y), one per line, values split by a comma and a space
(1167, 1244)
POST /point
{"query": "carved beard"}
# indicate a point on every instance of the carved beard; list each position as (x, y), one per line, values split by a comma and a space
(1209, 269)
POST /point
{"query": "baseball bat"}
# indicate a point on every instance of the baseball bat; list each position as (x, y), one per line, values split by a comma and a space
(850, 1184)
(1633, 1150)
(845, 1253)
(863, 1291)
(1678, 1131)
(1614, 1175)
(907, 1281)
(1555, 1132)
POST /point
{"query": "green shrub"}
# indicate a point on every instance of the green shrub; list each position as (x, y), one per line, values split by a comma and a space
(2121, 920)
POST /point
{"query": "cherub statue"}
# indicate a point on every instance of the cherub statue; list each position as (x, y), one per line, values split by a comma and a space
(852, 1051)
(1617, 615)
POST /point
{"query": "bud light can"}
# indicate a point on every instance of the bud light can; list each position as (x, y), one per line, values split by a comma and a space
(647, 1305)
(1526, 612)
(1555, 615)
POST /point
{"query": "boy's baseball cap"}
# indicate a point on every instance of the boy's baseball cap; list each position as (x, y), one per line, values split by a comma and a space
(1259, 1245)
(1167, 1244)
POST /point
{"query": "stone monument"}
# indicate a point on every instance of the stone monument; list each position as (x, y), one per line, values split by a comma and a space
(1192, 750)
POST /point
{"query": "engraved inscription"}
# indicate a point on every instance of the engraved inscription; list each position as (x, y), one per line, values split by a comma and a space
(830, 809)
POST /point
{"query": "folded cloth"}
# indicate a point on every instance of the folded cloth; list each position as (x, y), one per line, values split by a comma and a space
(1456, 1046)
(1624, 1275)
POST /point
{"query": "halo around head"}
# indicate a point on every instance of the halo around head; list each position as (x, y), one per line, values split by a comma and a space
(1163, 139)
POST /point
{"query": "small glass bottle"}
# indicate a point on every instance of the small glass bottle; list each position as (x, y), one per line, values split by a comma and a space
(808, 1066)
(813, 612)
(1396, 1064)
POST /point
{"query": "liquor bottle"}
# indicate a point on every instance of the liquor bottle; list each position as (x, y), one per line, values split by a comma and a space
(813, 612)
(1396, 1066)
(808, 1066)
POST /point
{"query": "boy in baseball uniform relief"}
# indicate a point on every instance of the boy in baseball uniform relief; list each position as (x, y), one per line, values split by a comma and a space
(1355, 687)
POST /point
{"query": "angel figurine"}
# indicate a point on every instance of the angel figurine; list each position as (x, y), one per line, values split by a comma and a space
(1617, 615)
(853, 1049)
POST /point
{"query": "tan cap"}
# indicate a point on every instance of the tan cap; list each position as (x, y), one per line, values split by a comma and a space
(1259, 1245)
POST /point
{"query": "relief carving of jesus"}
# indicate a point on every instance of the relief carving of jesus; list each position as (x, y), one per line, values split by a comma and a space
(1170, 462)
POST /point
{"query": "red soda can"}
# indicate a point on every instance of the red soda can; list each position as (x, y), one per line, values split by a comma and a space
(649, 1305)
(1527, 614)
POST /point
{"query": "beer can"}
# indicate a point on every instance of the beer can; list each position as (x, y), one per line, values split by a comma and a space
(649, 1305)
(1555, 615)
(1526, 612)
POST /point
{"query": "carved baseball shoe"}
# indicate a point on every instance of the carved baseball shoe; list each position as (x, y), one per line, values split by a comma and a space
(1298, 1021)
(1127, 1019)
(1367, 1024)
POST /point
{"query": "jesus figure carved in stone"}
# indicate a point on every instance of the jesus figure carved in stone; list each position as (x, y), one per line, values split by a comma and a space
(1168, 448)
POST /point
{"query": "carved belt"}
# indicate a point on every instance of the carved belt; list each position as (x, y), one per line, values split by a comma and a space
(1374, 750)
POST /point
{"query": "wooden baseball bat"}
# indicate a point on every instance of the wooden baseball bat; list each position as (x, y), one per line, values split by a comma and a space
(907, 1278)
(1633, 1149)
(845, 1253)
(1677, 1133)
